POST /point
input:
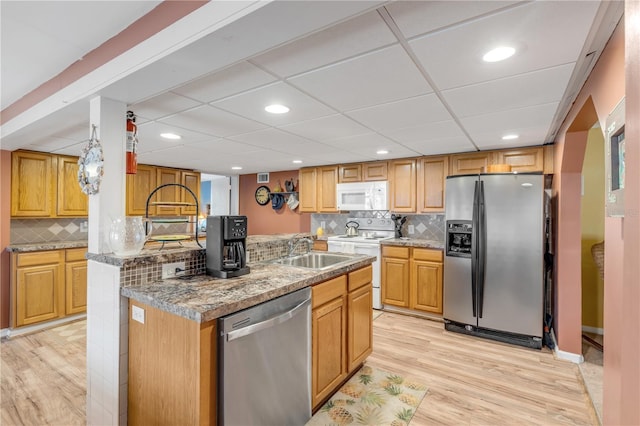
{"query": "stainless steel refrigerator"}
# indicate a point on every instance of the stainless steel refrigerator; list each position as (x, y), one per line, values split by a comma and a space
(494, 257)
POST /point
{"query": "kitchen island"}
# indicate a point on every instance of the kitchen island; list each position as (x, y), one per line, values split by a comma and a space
(172, 329)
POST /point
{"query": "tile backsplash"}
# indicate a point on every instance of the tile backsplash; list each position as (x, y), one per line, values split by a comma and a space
(426, 226)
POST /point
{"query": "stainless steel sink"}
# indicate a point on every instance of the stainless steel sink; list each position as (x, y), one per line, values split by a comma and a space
(314, 260)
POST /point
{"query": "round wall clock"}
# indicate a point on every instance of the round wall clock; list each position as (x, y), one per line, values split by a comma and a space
(262, 195)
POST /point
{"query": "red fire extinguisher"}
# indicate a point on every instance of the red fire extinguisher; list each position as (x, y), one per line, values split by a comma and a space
(132, 144)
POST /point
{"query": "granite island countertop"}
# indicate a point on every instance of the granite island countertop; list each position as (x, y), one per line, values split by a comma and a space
(203, 298)
(413, 242)
(52, 245)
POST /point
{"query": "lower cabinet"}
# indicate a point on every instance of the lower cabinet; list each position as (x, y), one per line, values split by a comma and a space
(412, 278)
(47, 285)
(342, 330)
(172, 369)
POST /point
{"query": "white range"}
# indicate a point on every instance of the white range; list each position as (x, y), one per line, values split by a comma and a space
(370, 232)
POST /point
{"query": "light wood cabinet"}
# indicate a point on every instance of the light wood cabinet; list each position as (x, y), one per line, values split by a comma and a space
(139, 186)
(320, 245)
(71, 200)
(176, 384)
(412, 278)
(75, 281)
(33, 184)
(395, 276)
(359, 317)
(432, 176)
(426, 280)
(548, 154)
(318, 189)
(168, 194)
(37, 287)
(192, 181)
(469, 163)
(522, 159)
(350, 173)
(402, 185)
(375, 171)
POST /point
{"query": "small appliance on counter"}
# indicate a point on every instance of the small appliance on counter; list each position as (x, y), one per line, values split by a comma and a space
(226, 246)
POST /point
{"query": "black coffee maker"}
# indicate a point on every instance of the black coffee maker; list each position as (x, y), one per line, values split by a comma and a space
(226, 246)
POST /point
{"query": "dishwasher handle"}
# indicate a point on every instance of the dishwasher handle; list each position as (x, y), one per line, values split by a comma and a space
(254, 328)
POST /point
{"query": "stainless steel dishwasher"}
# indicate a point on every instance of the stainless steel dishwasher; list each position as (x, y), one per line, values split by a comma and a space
(265, 363)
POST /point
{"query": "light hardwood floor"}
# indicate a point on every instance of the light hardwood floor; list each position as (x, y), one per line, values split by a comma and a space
(471, 381)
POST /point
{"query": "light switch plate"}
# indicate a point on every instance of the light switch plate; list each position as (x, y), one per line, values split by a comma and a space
(411, 229)
(137, 314)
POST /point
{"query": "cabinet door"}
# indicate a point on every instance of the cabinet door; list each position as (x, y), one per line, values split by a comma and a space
(426, 286)
(402, 185)
(375, 171)
(327, 181)
(32, 184)
(39, 294)
(432, 174)
(523, 159)
(350, 173)
(395, 281)
(170, 194)
(76, 287)
(329, 352)
(308, 190)
(320, 245)
(360, 335)
(192, 181)
(139, 186)
(71, 200)
(469, 163)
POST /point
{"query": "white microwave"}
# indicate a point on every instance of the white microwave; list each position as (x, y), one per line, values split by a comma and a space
(362, 196)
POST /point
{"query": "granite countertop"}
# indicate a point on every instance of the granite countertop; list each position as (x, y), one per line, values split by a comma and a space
(413, 242)
(149, 254)
(203, 298)
(54, 245)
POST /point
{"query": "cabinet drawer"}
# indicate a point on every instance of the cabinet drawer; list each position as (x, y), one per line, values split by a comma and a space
(392, 251)
(75, 254)
(328, 290)
(427, 254)
(40, 258)
(360, 277)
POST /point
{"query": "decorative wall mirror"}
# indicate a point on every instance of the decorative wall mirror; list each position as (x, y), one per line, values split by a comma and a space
(90, 165)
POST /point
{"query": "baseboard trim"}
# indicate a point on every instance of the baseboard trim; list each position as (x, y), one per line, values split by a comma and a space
(594, 330)
(4, 333)
(39, 327)
(567, 356)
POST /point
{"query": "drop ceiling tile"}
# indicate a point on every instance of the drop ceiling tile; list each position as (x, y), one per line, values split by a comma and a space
(531, 123)
(215, 147)
(419, 17)
(354, 37)
(534, 88)
(212, 121)
(329, 127)
(438, 146)
(368, 144)
(425, 132)
(251, 105)
(403, 113)
(277, 140)
(453, 57)
(385, 75)
(162, 105)
(233, 80)
(149, 138)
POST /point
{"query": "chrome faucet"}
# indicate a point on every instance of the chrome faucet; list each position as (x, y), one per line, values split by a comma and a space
(293, 245)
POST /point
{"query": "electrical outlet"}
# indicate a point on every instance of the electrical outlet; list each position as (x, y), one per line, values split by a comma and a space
(137, 314)
(411, 229)
(84, 226)
(171, 270)
(323, 224)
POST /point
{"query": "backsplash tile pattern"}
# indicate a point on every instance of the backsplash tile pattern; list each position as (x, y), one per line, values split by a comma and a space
(426, 226)
(195, 264)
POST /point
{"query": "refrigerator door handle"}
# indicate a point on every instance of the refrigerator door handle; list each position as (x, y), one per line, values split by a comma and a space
(474, 248)
(482, 248)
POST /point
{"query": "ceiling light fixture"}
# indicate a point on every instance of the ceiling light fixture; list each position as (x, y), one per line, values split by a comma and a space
(276, 109)
(171, 136)
(382, 152)
(236, 168)
(297, 161)
(509, 137)
(499, 54)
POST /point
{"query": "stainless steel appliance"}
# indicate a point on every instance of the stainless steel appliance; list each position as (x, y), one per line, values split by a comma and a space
(494, 257)
(265, 363)
(367, 241)
(362, 196)
(226, 248)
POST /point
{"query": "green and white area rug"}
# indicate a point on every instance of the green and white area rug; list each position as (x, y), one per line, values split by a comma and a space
(372, 397)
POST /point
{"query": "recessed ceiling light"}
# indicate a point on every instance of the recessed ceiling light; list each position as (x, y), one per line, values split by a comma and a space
(236, 168)
(172, 136)
(382, 152)
(499, 54)
(276, 109)
(297, 161)
(509, 137)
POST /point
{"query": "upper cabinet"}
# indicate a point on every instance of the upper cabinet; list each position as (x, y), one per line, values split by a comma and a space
(469, 163)
(167, 194)
(318, 189)
(530, 159)
(139, 186)
(192, 181)
(307, 190)
(350, 173)
(46, 185)
(402, 185)
(522, 160)
(374, 171)
(432, 175)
